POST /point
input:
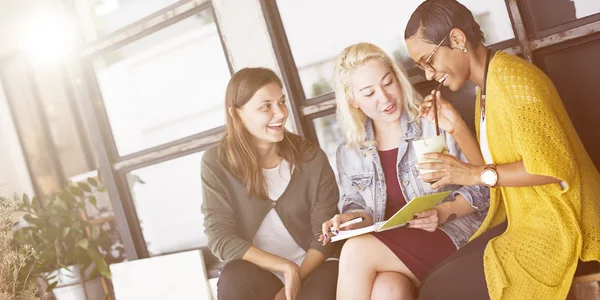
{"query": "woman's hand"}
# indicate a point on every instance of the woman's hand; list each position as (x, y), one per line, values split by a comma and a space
(339, 219)
(448, 116)
(449, 170)
(427, 220)
(292, 283)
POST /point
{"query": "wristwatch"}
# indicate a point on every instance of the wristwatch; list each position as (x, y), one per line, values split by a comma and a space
(489, 176)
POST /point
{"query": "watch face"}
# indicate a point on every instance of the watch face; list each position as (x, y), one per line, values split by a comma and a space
(489, 177)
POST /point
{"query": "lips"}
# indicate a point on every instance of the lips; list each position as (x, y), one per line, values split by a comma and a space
(389, 109)
(276, 125)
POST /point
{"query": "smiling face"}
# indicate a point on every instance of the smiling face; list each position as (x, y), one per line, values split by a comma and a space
(376, 91)
(265, 114)
(449, 65)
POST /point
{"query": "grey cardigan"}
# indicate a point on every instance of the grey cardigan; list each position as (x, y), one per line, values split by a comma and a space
(231, 217)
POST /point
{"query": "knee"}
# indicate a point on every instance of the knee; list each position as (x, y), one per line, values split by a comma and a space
(392, 285)
(321, 283)
(353, 251)
(234, 274)
(326, 274)
(437, 286)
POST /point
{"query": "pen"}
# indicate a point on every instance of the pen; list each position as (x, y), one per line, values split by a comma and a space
(345, 224)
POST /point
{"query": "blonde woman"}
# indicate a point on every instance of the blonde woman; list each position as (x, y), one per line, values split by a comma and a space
(377, 164)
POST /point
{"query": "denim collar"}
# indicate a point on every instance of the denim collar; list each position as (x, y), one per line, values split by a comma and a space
(410, 130)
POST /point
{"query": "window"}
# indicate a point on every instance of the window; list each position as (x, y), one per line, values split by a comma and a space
(167, 197)
(319, 30)
(100, 17)
(329, 135)
(166, 86)
(562, 12)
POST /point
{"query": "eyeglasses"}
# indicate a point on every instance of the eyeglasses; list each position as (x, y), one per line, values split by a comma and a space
(425, 64)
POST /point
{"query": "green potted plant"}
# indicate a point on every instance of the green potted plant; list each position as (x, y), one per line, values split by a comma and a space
(70, 249)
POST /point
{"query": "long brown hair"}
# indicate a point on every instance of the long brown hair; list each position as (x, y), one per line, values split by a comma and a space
(237, 152)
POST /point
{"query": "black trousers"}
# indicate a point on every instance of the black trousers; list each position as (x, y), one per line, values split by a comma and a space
(241, 279)
(461, 275)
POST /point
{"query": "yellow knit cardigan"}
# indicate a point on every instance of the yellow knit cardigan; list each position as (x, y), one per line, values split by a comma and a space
(549, 229)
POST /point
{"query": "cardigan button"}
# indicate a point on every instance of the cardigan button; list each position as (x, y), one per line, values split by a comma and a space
(405, 182)
(274, 203)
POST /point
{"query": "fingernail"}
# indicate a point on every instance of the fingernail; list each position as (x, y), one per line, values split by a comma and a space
(325, 235)
(415, 216)
(336, 232)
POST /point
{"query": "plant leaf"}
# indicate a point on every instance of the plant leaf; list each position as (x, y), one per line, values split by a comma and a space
(16, 197)
(32, 220)
(26, 199)
(94, 273)
(76, 191)
(83, 243)
(66, 231)
(102, 189)
(93, 182)
(93, 201)
(52, 286)
(84, 186)
(35, 203)
(95, 232)
(67, 197)
(101, 264)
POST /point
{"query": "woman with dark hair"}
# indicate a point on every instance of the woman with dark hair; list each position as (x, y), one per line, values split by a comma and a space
(266, 193)
(544, 215)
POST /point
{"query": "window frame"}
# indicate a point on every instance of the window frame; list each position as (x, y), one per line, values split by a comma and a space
(113, 166)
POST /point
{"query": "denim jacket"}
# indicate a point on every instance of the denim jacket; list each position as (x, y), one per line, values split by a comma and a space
(363, 183)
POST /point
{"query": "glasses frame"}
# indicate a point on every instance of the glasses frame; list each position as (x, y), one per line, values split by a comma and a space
(425, 64)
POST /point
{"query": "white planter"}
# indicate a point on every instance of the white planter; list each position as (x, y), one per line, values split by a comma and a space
(69, 285)
(66, 276)
(75, 291)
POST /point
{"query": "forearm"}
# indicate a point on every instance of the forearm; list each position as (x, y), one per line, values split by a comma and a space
(451, 210)
(515, 175)
(313, 259)
(267, 260)
(468, 144)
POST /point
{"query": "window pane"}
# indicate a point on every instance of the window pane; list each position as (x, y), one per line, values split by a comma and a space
(563, 11)
(100, 17)
(330, 137)
(167, 197)
(584, 8)
(336, 24)
(166, 86)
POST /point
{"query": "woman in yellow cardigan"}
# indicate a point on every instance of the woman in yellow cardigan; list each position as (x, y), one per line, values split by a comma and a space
(544, 215)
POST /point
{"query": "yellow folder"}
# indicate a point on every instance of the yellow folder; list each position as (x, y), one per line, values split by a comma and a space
(399, 219)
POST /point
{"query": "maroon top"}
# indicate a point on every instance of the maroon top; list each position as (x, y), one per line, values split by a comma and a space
(418, 249)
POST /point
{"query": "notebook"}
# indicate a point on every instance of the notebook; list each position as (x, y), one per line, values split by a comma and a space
(399, 219)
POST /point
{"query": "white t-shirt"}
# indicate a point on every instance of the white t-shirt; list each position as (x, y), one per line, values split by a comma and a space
(272, 235)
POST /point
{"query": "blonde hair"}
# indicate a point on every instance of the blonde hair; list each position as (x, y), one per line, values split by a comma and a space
(352, 120)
